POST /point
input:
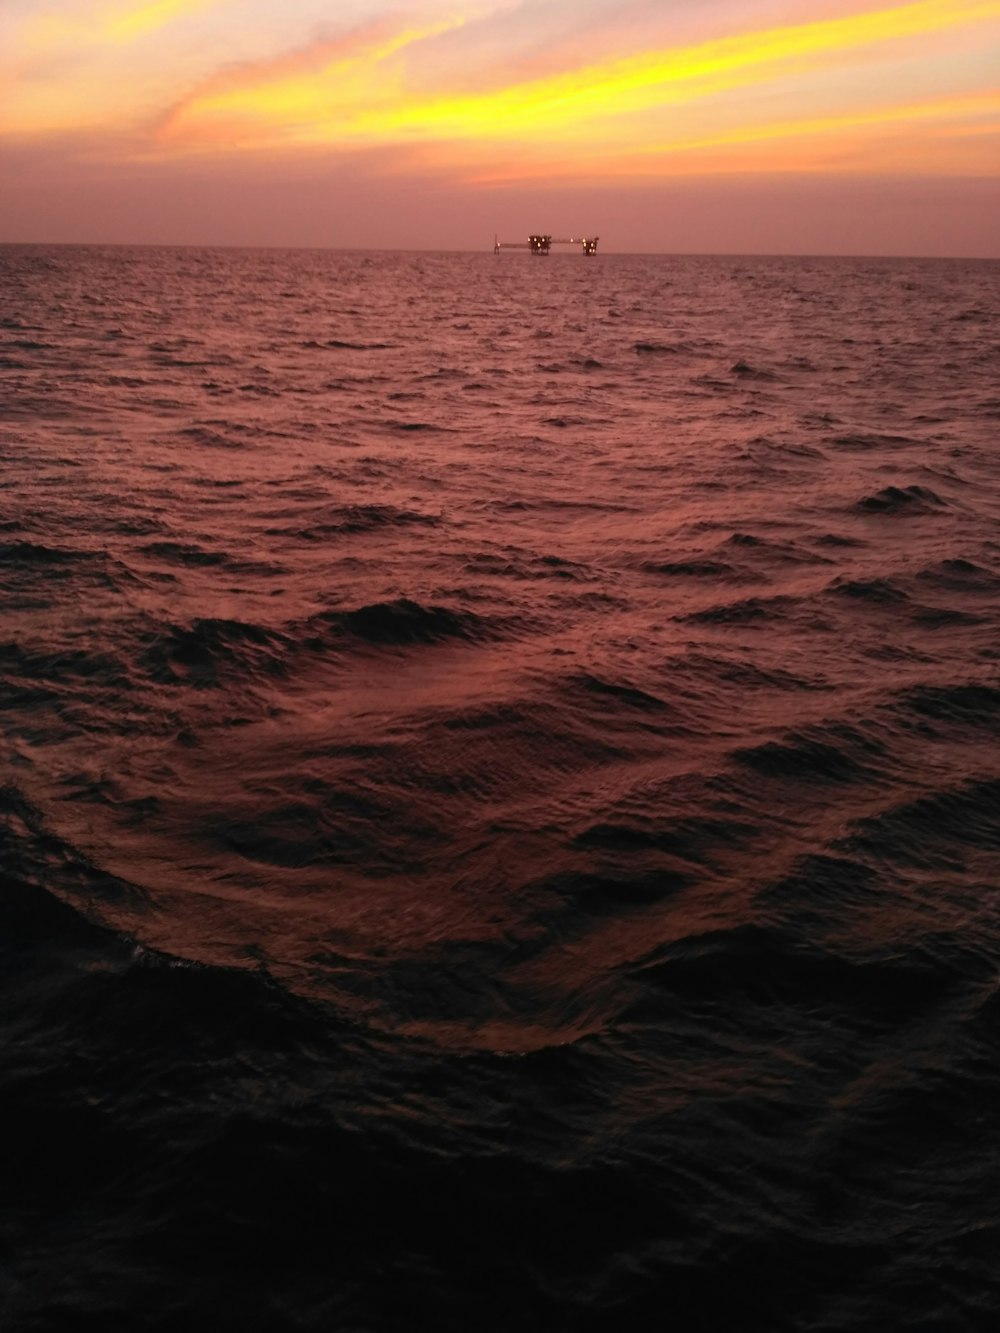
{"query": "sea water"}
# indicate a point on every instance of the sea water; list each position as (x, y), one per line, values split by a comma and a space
(501, 791)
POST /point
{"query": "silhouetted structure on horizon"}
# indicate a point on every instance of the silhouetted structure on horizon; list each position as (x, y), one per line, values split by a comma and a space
(539, 243)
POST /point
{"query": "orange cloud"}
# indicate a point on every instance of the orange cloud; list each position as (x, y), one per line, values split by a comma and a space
(326, 81)
(363, 92)
(391, 90)
(103, 22)
(872, 139)
(676, 75)
(64, 71)
(138, 20)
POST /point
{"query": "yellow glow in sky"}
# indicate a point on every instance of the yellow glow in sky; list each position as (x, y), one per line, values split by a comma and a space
(134, 21)
(171, 78)
(656, 78)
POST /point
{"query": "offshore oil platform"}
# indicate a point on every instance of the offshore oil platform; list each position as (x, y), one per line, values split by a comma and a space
(540, 244)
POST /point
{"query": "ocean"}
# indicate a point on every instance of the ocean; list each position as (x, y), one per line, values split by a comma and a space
(499, 792)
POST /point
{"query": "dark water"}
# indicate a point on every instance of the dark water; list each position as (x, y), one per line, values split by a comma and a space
(501, 807)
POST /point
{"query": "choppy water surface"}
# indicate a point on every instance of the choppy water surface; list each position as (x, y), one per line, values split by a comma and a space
(502, 798)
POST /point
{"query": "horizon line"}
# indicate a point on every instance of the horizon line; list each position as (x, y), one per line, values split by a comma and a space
(488, 250)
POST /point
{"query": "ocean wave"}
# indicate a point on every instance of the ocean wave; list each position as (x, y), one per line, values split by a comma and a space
(693, 839)
(414, 427)
(960, 575)
(902, 500)
(183, 553)
(863, 441)
(615, 692)
(967, 703)
(211, 651)
(881, 592)
(751, 675)
(209, 437)
(527, 565)
(744, 371)
(693, 568)
(41, 867)
(768, 966)
(802, 758)
(331, 520)
(937, 831)
(650, 348)
(61, 664)
(345, 345)
(402, 622)
(747, 611)
(30, 553)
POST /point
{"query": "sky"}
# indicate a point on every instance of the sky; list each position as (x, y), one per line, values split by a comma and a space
(725, 126)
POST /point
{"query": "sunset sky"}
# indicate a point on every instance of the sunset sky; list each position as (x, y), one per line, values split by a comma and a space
(827, 126)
